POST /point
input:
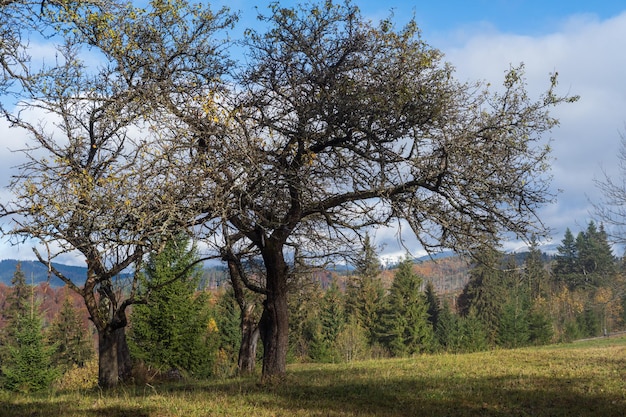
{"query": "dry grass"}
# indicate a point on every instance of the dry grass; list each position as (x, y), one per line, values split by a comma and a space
(583, 379)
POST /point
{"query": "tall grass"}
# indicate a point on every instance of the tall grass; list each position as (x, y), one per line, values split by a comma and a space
(581, 379)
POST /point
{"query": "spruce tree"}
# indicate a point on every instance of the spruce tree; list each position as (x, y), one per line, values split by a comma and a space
(332, 320)
(365, 292)
(513, 327)
(485, 292)
(228, 319)
(28, 365)
(68, 333)
(448, 332)
(405, 319)
(596, 258)
(434, 307)
(539, 328)
(17, 305)
(513, 330)
(18, 299)
(171, 330)
(475, 335)
(535, 274)
(566, 260)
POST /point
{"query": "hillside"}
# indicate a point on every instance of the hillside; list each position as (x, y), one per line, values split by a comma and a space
(36, 273)
(448, 274)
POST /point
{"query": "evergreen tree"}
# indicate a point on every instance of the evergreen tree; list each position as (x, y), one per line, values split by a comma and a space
(405, 319)
(449, 333)
(596, 259)
(175, 328)
(566, 260)
(305, 306)
(433, 305)
(365, 293)
(535, 274)
(69, 334)
(485, 292)
(588, 323)
(332, 320)
(28, 366)
(475, 337)
(540, 328)
(513, 327)
(513, 330)
(18, 299)
(17, 305)
(228, 319)
(586, 261)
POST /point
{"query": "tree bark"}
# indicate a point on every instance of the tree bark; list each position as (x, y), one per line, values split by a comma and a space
(124, 364)
(250, 333)
(249, 338)
(274, 324)
(108, 371)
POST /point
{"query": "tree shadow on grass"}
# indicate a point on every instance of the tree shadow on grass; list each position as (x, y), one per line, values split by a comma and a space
(352, 393)
(44, 408)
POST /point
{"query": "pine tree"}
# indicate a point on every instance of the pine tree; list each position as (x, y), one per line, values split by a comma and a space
(475, 336)
(586, 261)
(513, 330)
(513, 327)
(365, 292)
(596, 258)
(485, 292)
(535, 274)
(172, 329)
(405, 319)
(228, 320)
(433, 304)
(17, 305)
(566, 260)
(18, 299)
(332, 320)
(449, 333)
(304, 325)
(540, 328)
(73, 345)
(28, 366)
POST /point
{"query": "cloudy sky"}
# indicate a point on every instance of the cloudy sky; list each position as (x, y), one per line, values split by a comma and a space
(584, 41)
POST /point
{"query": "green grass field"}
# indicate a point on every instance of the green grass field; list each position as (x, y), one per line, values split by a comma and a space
(579, 379)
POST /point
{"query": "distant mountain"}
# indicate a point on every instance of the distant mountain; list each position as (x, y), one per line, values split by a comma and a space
(36, 272)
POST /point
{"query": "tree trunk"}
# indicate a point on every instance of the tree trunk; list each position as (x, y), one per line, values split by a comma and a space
(274, 324)
(249, 327)
(249, 337)
(124, 363)
(108, 371)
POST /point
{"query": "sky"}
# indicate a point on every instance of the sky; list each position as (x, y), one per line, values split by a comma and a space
(583, 41)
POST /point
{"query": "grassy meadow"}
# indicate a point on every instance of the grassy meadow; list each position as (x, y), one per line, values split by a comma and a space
(578, 379)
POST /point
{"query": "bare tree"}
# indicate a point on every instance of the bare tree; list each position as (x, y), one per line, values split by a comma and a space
(611, 209)
(105, 178)
(335, 124)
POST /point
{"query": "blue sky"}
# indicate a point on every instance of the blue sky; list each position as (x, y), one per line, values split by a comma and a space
(583, 40)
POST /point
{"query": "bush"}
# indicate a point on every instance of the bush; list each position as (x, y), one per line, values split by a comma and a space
(79, 378)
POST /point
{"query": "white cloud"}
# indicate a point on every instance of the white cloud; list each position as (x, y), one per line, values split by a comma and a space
(588, 55)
